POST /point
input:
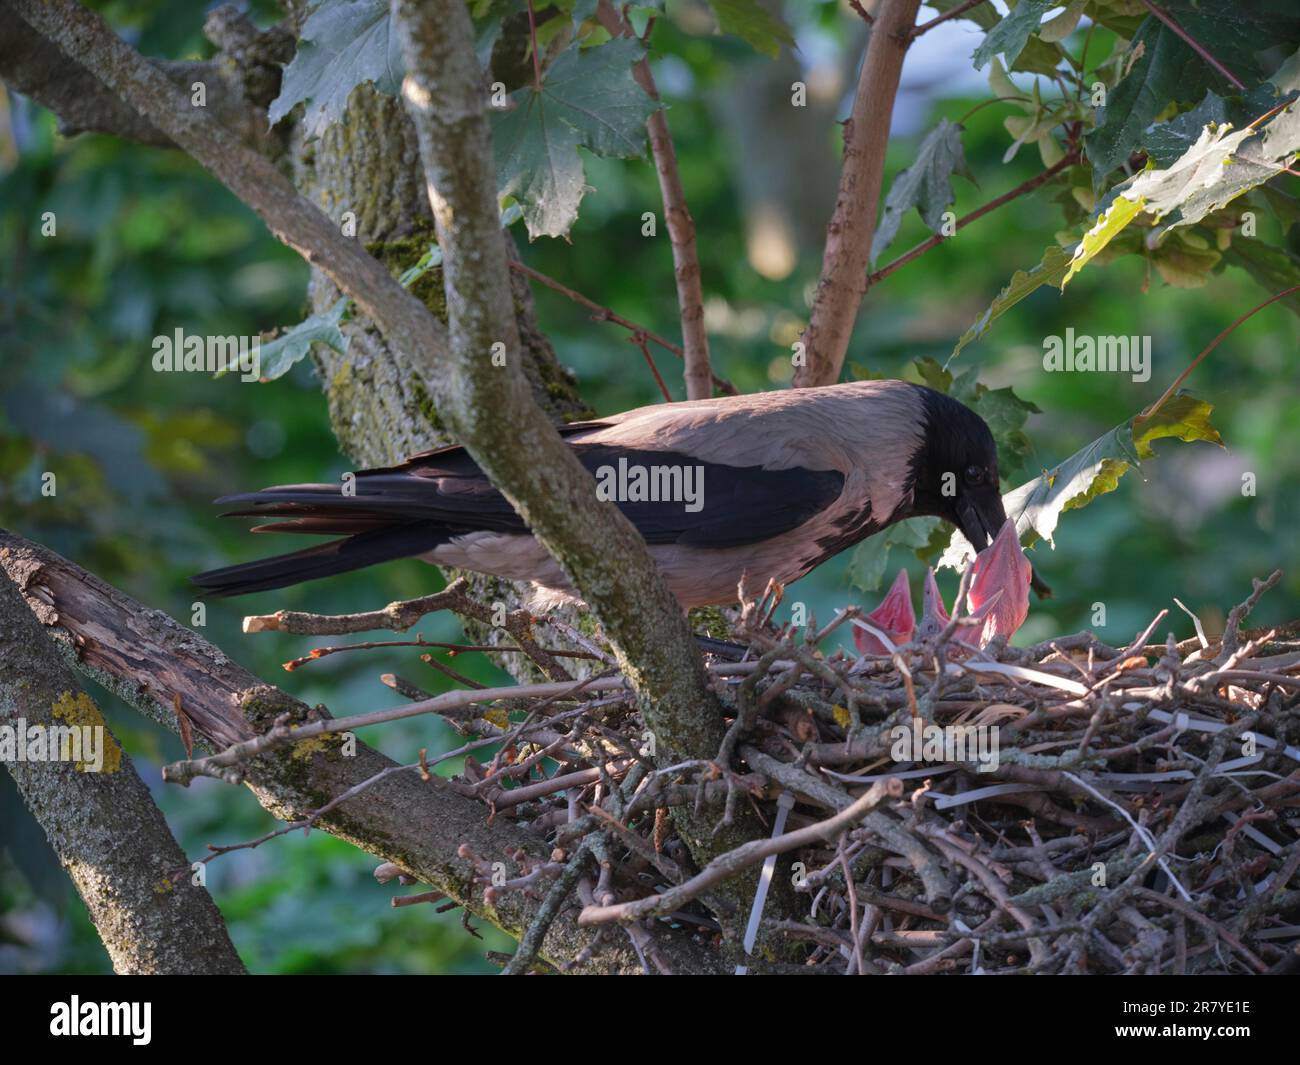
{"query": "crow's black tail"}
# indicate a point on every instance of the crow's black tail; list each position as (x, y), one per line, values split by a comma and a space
(382, 544)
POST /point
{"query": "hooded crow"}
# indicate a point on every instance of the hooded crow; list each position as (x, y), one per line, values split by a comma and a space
(727, 493)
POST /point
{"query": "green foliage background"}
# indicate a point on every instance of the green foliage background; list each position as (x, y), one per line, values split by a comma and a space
(147, 242)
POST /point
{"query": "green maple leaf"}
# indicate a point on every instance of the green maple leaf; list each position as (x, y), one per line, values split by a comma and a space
(1037, 506)
(344, 43)
(588, 99)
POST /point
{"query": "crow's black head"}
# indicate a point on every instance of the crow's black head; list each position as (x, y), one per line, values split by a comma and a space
(954, 474)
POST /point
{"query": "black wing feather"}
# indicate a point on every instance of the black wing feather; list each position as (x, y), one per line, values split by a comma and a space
(741, 504)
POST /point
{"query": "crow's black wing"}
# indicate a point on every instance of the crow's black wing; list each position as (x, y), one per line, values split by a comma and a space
(737, 504)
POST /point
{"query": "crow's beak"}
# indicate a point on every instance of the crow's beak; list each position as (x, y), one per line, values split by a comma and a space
(980, 516)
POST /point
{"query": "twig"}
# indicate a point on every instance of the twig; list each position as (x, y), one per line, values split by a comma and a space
(531, 942)
(681, 227)
(639, 339)
(1151, 410)
(1024, 187)
(742, 857)
(862, 12)
(449, 702)
(1194, 45)
(955, 12)
(604, 314)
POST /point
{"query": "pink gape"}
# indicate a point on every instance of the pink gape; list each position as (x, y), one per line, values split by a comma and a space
(998, 597)
(894, 617)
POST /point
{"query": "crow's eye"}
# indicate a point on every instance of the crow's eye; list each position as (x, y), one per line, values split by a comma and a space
(974, 475)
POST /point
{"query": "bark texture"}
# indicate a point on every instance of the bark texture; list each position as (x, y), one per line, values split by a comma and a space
(147, 658)
(104, 826)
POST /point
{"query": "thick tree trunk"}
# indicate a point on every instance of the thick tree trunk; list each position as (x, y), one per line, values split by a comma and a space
(369, 164)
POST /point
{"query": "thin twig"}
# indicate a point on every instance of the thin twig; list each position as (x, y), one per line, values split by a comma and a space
(1194, 44)
(604, 314)
(955, 12)
(1024, 187)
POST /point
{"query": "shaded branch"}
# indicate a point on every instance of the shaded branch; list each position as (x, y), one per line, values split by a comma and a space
(145, 657)
(103, 824)
(681, 227)
(493, 415)
(39, 70)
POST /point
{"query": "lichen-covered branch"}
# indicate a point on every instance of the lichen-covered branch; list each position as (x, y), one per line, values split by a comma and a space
(148, 659)
(490, 411)
(100, 819)
(35, 67)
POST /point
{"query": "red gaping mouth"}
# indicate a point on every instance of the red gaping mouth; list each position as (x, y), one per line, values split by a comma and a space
(998, 602)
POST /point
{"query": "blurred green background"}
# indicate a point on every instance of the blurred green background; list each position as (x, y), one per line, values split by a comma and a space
(147, 242)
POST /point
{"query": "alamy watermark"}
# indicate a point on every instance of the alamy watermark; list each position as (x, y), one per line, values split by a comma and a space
(179, 353)
(79, 1018)
(633, 483)
(83, 744)
(1071, 353)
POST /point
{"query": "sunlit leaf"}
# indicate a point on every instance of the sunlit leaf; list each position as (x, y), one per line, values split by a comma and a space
(280, 355)
(1036, 506)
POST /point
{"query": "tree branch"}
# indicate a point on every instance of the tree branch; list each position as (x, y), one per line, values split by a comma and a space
(103, 824)
(33, 66)
(955, 12)
(750, 854)
(597, 546)
(853, 223)
(492, 414)
(681, 227)
(1011, 194)
(146, 658)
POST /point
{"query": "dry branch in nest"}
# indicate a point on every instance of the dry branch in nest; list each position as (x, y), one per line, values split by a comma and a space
(1066, 808)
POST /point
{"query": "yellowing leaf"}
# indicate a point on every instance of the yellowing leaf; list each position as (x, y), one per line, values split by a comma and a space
(1119, 214)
